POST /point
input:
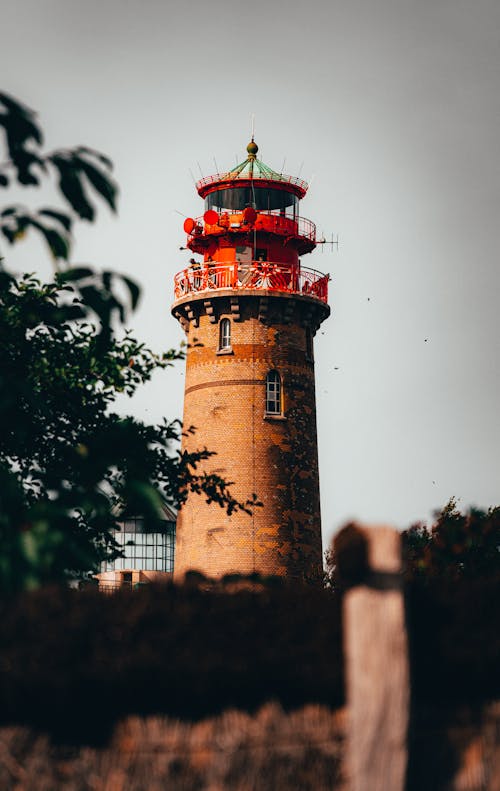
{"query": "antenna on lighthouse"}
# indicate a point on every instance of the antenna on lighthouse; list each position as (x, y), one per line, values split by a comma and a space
(199, 168)
(328, 242)
(216, 168)
(253, 125)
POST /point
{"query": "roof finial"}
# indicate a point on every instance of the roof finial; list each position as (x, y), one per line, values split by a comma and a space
(252, 149)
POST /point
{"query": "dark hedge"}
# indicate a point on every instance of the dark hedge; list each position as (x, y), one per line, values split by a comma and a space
(454, 629)
(74, 662)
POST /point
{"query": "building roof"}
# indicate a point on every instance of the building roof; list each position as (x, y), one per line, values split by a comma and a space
(169, 513)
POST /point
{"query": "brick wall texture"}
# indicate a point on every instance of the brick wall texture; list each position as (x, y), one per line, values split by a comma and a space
(273, 457)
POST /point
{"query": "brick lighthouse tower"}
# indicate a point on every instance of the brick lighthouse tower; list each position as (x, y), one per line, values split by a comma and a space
(250, 311)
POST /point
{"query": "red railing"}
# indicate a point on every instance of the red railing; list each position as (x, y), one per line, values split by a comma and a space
(260, 275)
(271, 221)
(235, 177)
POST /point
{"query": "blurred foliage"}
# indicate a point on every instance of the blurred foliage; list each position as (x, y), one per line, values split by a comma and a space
(80, 173)
(456, 546)
(68, 465)
(452, 584)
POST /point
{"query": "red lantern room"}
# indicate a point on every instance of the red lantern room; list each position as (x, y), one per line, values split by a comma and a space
(250, 311)
(251, 234)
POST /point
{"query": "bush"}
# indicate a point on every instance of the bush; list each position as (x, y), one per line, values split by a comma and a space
(73, 662)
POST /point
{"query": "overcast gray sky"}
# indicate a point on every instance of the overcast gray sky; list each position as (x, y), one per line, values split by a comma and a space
(394, 107)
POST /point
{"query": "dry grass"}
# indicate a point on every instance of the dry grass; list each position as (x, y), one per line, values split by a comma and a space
(236, 751)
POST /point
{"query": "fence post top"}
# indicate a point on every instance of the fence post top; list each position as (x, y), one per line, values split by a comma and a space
(361, 550)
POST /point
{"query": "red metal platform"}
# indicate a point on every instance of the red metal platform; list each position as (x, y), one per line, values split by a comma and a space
(258, 275)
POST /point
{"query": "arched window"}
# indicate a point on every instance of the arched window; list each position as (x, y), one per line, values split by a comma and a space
(224, 334)
(273, 393)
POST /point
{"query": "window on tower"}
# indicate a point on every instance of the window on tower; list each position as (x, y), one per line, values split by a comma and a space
(273, 393)
(224, 335)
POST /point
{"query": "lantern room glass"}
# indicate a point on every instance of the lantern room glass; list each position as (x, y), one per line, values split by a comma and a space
(260, 198)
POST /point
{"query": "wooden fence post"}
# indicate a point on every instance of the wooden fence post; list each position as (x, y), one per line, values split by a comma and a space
(376, 657)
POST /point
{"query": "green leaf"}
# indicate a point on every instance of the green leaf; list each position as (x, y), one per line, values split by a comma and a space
(71, 186)
(19, 122)
(9, 234)
(144, 499)
(97, 154)
(61, 218)
(24, 161)
(91, 296)
(30, 546)
(135, 291)
(101, 183)
(76, 273)
(106, 280)
(120, 308)
(72, 312)
(6, 281)
(58, 243)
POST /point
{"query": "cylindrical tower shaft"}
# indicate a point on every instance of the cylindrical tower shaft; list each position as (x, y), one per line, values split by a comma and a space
(271, 453)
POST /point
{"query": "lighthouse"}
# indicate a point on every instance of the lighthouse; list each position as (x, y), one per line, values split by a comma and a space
(250, 310)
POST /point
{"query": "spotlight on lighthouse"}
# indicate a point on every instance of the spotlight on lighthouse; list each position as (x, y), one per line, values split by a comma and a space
(211, 217)
(189, 225)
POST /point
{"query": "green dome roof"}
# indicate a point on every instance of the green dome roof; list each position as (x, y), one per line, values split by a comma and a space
(253, 168)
